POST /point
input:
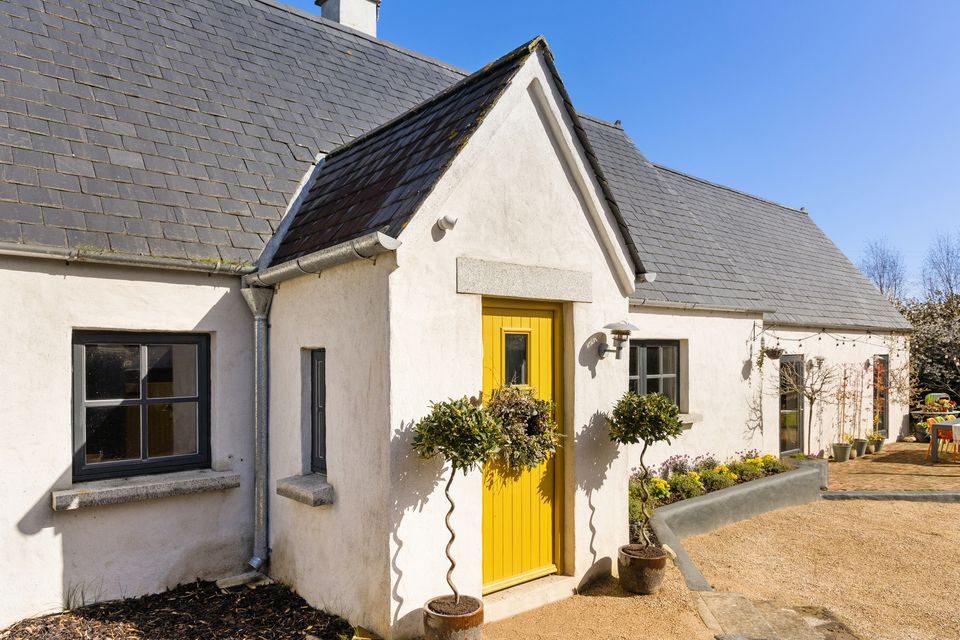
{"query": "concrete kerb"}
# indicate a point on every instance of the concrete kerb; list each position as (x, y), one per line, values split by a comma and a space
(702, 514)
(906, 496)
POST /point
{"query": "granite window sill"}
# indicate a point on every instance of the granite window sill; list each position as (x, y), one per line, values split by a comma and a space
(140, 488)
(311, 489)
(690, 419)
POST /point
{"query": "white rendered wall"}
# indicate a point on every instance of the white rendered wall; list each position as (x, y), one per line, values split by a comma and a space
(516, 203)
(717, 381)
(335, 556)
(128, 549)
(853, 349)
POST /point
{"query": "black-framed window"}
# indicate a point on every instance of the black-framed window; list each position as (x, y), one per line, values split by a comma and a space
(141, 403)
(318, 411)
(655, 368)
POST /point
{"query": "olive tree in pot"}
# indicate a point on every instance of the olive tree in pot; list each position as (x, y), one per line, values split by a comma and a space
(466, 435)
(645, 419)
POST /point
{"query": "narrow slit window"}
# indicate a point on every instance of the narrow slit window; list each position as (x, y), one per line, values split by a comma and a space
(318, 413)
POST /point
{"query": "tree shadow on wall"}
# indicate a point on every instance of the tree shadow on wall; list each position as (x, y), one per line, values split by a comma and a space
(412, 487)
(594, 454)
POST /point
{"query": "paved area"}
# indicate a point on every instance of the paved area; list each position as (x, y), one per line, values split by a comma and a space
(901, 466)
(887, 570)
(606, 612)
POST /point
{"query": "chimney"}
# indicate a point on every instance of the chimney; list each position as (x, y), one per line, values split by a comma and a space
(361, 15)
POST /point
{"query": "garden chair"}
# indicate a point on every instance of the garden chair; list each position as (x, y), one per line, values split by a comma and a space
(945, 437)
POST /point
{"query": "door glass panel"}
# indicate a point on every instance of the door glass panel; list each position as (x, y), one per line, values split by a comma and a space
(112, 371)
(171, 429)
(515, 360)
(171, 370)
(113, 433)
(791, 404)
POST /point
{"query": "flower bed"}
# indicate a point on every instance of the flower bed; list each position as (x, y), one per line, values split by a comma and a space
(682, 477)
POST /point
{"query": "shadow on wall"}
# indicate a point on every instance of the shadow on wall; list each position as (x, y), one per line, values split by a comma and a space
(415, 483)
(595, 454)
(589, 355)
(132, 549)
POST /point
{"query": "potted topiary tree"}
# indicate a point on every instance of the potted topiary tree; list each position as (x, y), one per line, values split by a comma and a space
(466, 435)
(648, 419)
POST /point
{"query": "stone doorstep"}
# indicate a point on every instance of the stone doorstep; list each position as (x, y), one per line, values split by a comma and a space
(528, 596)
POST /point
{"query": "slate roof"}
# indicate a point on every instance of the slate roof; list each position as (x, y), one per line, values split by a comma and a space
(692, 268)
(378, 181)
(795, 267)
(180, 128)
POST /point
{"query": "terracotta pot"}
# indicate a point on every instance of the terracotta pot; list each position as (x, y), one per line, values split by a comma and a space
(860, 446)
(841, 451)
(638, 573)
(461, 626)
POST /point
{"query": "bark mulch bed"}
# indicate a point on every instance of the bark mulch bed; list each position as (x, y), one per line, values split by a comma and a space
(190, 612)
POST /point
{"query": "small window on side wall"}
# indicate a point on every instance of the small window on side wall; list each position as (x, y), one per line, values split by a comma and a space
(318, 411)
(655, 368)
(141, 403)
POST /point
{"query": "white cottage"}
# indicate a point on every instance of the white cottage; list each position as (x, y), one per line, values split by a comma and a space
(242, 249)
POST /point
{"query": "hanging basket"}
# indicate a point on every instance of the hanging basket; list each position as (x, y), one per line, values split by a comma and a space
(773, 353)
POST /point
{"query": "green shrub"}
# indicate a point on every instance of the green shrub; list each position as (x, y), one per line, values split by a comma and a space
(686, 485)
(717, 478)
(461, 431)
(529, 431)
(773, 465)
(747, 470)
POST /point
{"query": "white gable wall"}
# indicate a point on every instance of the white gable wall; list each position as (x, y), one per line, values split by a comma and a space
(130, 549)
(516, 202)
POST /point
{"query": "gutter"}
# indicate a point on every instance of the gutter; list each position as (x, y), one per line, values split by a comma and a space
(258, 291)
(130, 260)
(645, 302)
(362, 248)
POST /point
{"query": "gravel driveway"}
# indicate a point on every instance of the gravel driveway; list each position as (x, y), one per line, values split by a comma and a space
(871, 563)
(606, 612)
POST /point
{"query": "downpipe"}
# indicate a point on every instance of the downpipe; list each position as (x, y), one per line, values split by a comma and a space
(259, 299)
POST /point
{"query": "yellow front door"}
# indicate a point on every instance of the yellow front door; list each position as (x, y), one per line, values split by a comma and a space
(521, 511)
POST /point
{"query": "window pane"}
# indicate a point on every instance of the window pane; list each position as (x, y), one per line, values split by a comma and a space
(171, 429)
(669, 359)
(653, 385)
(634, 361)
(669, 388)
(635, 385)
(171, 370)
(112, 371)
(653, 360)
(113, 433)
(515, 358)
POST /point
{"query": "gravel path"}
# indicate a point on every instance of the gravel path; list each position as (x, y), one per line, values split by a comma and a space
(606, 612)
(868, 562)
(900, 466)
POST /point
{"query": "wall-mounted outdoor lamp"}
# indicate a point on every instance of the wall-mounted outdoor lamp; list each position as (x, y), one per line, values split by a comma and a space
(447, 222)
(621, 333)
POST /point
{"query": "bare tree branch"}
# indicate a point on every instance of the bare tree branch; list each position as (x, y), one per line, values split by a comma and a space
(885, 268)
(941, 269)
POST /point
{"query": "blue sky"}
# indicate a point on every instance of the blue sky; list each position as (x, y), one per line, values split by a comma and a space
(850, 109)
